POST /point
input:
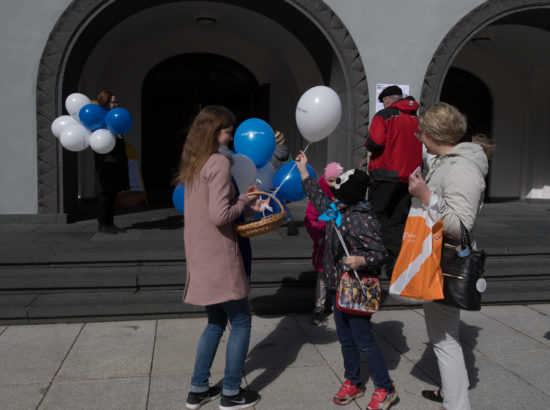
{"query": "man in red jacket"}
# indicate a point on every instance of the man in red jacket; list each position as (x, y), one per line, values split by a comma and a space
(395, 154)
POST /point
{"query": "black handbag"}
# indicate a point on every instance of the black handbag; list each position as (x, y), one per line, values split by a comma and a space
(463, 269)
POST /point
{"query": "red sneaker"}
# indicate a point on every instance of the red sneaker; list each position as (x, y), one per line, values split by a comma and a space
(347, 393)
(382, 399)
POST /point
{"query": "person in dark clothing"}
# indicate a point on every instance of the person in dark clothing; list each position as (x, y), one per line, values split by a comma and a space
(395, 154)
(111, 173)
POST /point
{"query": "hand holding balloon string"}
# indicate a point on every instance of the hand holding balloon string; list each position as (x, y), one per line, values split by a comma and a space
(291, 169)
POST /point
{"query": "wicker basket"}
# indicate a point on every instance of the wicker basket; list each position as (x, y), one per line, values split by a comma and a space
(267, 224)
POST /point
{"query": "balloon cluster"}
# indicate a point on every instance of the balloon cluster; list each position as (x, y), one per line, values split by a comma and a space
(317, 115)
(89, 125)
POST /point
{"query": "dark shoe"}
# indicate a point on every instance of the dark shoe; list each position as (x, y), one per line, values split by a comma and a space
(119, 230)
(291, 229)
(316, 318)
(196, 400)
(110, 229)
(347, 393)
(242, 400)
(433, 395)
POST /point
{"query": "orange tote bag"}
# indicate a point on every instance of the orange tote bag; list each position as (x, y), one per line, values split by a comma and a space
(417, 273)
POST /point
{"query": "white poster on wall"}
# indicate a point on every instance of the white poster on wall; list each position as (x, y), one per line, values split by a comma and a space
(380, 87)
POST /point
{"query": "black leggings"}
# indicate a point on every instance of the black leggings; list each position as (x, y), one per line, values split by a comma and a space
(106, 208)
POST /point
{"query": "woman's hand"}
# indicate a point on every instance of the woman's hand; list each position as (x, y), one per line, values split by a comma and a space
(256, 206)
(354, 262)
(419, 189)
(252, 188)
(301, 163)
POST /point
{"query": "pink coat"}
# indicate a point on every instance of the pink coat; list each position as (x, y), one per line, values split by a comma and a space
(215, 270)
(316, 228)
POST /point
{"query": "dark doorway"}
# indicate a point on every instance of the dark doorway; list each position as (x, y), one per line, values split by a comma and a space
(472, 98)
(173, 93)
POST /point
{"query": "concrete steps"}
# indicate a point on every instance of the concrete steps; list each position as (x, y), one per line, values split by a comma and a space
(87, 291)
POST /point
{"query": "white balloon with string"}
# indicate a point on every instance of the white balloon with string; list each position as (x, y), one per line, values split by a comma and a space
(318, 113)
(102, 141)
(75, 138)
(74, 102)
(61, 123)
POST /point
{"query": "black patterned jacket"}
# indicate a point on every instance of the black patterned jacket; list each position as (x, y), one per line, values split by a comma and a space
(361, 233)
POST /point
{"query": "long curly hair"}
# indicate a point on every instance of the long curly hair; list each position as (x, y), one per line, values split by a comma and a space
(202, 141)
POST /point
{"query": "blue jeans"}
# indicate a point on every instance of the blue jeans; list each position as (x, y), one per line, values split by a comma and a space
(238, 314)
(355, 336)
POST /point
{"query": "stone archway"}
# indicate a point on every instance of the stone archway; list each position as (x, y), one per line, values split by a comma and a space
(81, 25)
(462, 32)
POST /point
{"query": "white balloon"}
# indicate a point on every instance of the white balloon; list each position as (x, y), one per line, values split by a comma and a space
(244, 172)
(102, 141)
(318, 113)
(62, 122)
(264, 177)
(75, 102)
(75, 137)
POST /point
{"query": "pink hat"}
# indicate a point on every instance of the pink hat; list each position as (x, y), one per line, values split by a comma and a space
(333, 170)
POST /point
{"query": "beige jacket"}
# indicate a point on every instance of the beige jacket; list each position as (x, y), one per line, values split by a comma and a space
(458, 179)
(215, 270)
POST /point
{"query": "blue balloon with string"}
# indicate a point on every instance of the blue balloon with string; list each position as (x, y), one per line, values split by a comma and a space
(92, 117)
(178, 197)
(289, 180)
(118, 120)
(255, 139)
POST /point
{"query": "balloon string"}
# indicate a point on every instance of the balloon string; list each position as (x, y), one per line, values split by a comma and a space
(289, 172)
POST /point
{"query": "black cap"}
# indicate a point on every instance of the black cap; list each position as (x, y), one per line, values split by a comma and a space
(391, 90)
(351, 186)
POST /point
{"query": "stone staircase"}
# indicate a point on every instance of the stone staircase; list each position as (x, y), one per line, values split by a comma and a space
(68, 272)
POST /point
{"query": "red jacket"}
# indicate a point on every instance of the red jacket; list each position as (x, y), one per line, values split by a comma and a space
(396, 152)
(316, 228)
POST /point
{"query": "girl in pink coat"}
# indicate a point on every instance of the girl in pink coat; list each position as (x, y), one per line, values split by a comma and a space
(316, 230)
(216, 277)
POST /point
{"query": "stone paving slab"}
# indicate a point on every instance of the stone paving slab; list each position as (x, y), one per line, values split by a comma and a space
(523, 319)
(111, 350)
(34, 354)
(148, 364)
(106, 394)
(22, 396)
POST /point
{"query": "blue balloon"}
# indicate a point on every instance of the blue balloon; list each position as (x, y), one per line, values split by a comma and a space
(118, 120)
(92, 117)
(292, 189)
(178, 196)
(255, 139)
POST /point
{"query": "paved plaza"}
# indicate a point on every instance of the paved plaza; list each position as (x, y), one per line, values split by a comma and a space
(148, 364)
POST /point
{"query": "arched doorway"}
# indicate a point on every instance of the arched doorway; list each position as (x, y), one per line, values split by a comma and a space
(85, 23)
(473, 98)
(499, 42)
(173, 93)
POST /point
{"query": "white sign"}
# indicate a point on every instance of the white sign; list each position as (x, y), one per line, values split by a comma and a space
(380, 87)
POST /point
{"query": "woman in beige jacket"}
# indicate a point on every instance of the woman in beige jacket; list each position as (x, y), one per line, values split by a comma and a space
(216, 277)
(455, 183)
